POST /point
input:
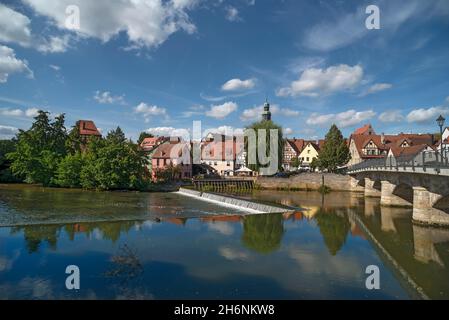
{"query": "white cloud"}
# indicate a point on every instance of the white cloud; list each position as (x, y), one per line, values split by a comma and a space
(54, 44)
(255, 114)
(344, 119)
(425, 115)
(288, 131)
(233, 254)
(14, 27)
(146, 23)
(232, 14)
(376, 88)
(11, 112)
(9, 64)
(447, 100)
(193, 110)
(31, 112)
(391, 116)
(314, 82)
(226, 130)
(149, 111)
(6, 131)
(237, 85)
(222, 111)
(344, 29)
(55, 67)
(107, 98)
(170, 132)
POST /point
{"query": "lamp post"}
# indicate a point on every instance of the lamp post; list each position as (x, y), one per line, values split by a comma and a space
(440, 122)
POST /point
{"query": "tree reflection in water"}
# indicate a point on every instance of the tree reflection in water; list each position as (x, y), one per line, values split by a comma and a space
(263, 233)
(334, 227)
(35, 235)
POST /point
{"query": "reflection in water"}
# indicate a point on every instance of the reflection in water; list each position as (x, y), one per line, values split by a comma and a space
(160, 250)
(334, 227)
(263, 233)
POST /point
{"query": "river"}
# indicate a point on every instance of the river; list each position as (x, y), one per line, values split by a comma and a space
(167, 246)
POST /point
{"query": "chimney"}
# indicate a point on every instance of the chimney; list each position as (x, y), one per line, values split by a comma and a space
(382, 138)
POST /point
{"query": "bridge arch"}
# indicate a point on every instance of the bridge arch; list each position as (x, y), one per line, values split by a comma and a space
(442, 204)
(405, 192)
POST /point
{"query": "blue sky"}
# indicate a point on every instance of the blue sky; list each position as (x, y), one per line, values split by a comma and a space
(159, 65)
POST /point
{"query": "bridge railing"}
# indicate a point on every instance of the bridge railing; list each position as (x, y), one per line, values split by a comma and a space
(424, 160)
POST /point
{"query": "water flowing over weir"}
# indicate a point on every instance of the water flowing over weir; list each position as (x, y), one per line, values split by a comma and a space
(232, 202)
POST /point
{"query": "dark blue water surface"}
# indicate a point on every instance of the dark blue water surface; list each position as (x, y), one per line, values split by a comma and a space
(167, 246)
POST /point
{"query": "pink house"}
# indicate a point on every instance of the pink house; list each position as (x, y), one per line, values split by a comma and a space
(176, 154)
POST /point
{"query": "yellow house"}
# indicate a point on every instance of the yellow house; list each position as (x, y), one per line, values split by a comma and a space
(310, 152)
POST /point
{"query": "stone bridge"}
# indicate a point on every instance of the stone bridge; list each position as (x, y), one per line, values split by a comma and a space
(426, 192)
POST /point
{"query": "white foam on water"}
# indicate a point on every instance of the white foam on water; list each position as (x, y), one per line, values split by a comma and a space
(223, 204)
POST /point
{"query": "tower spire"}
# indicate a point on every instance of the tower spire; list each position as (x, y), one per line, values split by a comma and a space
(266, 115)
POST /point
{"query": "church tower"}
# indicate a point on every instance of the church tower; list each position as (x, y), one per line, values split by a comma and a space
(266, 115)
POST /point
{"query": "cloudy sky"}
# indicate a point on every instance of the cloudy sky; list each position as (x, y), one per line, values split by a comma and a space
(159, 65)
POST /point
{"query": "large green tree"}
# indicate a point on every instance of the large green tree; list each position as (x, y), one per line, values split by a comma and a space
(253, 148)
(335, 152)
(113, 163)
(40, 149)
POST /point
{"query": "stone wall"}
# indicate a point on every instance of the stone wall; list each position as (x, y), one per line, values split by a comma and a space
(306, 181)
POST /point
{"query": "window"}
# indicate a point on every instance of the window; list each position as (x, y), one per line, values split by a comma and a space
(308, 159)
(215, 163)
(228, 164)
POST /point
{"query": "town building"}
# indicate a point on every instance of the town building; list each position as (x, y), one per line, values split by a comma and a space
(87, 129)
(149, 146)
(309, 153)
(221, 155)
(292, 150)
(175, 155)
(363, 146)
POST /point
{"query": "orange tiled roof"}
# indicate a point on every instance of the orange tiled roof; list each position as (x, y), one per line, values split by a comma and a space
(150, 143)
(363, 130)
(386, 142)
(88, 128)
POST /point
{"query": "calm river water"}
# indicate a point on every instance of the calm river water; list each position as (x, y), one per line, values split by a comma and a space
(167, 246)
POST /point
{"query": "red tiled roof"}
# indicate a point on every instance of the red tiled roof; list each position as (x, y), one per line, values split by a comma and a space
(150, 143)
(88, 128)
(385, 142)
(363, 130)
(408, 151)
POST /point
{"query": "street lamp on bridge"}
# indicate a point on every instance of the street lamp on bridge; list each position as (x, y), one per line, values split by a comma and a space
(440, 122)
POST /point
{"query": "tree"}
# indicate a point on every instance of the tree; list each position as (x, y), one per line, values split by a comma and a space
(69, 171)
(168, 173)
(143, 136)
(296, 162)
(6, 146)
(74, 140)
(113, 163)
(264, 145)
(39, 150)
(335, 152)
(116, 136)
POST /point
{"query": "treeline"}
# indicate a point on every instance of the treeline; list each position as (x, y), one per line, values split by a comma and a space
(48, 154)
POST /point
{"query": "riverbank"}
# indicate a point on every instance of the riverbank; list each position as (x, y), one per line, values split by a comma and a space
(305, 182)
(167, 187)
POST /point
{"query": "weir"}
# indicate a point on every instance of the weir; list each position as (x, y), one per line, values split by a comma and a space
(227, 201)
